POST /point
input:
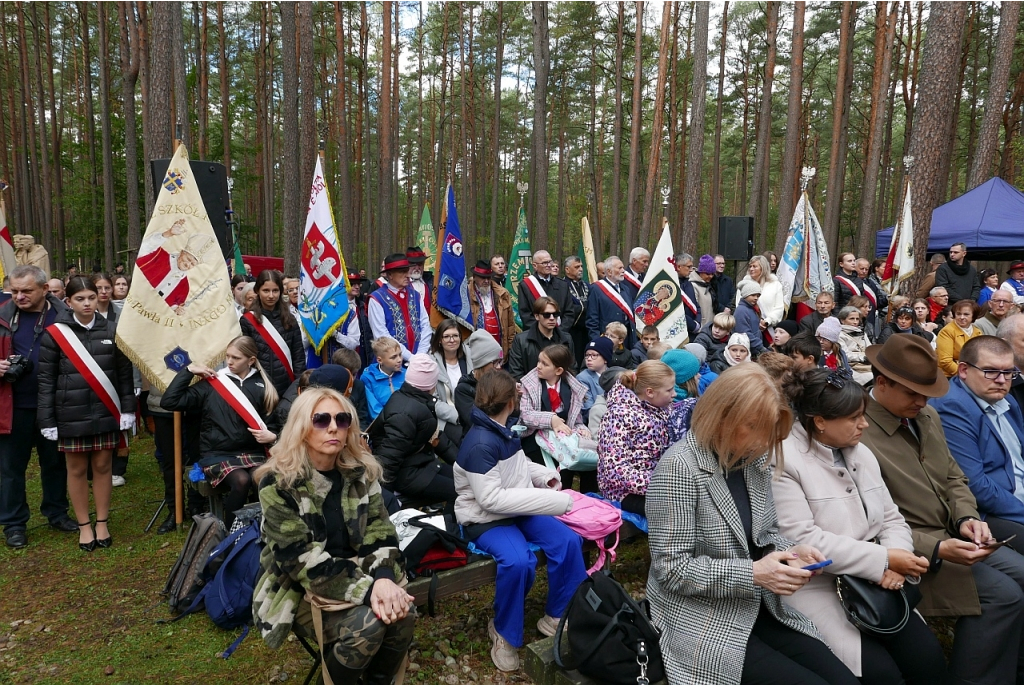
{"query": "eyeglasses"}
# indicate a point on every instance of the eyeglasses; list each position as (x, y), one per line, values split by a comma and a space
(322, 420)
(451, 337)
(1000, 301)
(939, 297)
(551, 315)
(837, 379)
(993, 374)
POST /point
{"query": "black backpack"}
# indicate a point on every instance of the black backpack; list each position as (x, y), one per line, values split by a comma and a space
(185, 580)
(610, 635)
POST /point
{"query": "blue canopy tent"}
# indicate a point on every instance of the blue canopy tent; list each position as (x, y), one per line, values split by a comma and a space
(988, 219)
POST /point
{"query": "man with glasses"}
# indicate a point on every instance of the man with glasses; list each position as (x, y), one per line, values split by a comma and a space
(541, 283)
(999, 306)
(611, 299)
(938, 299)
(985, 433)
(725, 288)
(958, 276)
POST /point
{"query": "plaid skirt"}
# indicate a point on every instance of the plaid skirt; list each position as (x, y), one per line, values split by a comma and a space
(89, 443)
(218, 469)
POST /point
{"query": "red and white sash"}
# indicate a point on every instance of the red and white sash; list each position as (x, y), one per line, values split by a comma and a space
(870, 294)
(86, 365)
(533, 284)
(276, 343)
(849, 284)
(616, 298)
(632, 280)
(690, 304)
(236, 399)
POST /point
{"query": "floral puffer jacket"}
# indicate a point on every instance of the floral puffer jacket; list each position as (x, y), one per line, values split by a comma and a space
(633, 436)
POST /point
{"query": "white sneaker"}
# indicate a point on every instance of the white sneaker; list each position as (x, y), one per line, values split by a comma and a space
(117, 481)
(547, 625)
(504, 655)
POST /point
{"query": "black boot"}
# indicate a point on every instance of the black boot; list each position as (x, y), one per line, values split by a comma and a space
(341, 675)
(168, 526)
(384, 666)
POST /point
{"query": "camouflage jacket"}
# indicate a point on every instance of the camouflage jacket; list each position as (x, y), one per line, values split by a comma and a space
(295, 560)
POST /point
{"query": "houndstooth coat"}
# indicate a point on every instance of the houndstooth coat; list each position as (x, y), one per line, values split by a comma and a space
(701, 585)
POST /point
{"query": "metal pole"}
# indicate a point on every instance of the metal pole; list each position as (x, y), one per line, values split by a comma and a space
(178, 485)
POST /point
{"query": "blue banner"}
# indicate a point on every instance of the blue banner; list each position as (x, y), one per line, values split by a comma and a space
(452, 287)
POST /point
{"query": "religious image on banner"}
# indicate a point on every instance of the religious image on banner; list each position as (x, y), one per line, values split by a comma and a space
(323, 279)
(452, 286)
(518, 261)
(659, 302)
(179, 309)
(804, 270)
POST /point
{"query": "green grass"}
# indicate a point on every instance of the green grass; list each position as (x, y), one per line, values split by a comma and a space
(89, 613)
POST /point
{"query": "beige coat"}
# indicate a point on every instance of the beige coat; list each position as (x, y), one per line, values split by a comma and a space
(841, 511)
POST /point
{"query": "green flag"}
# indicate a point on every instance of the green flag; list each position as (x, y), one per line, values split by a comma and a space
(518, 262)
(239, 266)
(426, 239)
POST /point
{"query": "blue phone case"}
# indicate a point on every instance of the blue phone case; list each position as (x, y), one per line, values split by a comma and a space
(820, 564)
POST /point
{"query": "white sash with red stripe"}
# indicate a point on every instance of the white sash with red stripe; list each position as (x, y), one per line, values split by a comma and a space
(236, 399)
(849, 284)
(870, 294)
(277, 344)
(632, 280)
(616, 298)
(86, 365)
(535, 287)
(688, 303)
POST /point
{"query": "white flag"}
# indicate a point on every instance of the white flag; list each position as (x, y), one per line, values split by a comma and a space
(899, 264)
(660, 300)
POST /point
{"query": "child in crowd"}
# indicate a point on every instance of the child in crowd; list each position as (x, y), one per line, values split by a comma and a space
(779, 366)
(648, 337)
(686, 367)
(748, 316)
(854, 341)
(823, 305)
(715, 340)
(617, 332)
(657, 350)
(608, 379)
(832, 356)
(635, 433)
(805, 350)
(989, 284)
(596, 357)
(384, 376)
(485, 355)
(954, 334)
(706, 375)
(351, 360)
(738, 349)
(783, 333)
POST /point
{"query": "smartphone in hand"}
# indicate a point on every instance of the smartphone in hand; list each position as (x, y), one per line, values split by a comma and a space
(997, 543)
(820, 564)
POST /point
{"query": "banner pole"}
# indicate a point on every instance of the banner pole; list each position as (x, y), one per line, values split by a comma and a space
(178, 485)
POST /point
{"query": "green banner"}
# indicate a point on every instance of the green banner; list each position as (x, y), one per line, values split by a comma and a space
(518, 262)
(426, 239)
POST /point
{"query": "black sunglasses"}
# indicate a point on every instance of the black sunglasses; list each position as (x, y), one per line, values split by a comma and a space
(322, 420)
(551, 315)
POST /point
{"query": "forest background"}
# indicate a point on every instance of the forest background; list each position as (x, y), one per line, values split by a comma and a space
(597, 105)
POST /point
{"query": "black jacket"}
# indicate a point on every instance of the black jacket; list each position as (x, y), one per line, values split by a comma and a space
(224, 433)
(526, 347)
(268, 360)
(558, 290)
(891, 329)
(66, 401)
(401, 437)
(465, 400)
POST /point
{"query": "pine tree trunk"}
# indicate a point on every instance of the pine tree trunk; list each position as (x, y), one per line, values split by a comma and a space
(225, 100)
(348, 224)
(46, 184)
(635, 132)
(129, 77)
(934, 116)
(387, 223)
(999, 81)
(840, 114)
(291, 163)
(203, 66)
(499, 53)
(109, 209)
(541, 65)
(613, 242)
(716, 169)
(695, 152)
(657, 129)
(764, 128)
(308, 138)
(789, 183)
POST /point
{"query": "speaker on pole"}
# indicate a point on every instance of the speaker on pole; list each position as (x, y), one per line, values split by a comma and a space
(212, 181)
(736, 237)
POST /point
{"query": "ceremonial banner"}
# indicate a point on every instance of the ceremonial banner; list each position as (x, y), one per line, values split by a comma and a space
(426, 239)
(179, 309)
(7, 260)
(586, 253)
(804, 268)
(659, 302)
(323, 280)
(899, 264)
(452, 287)
(518, 262)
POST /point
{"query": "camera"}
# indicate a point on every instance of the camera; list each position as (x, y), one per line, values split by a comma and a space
(20, 367)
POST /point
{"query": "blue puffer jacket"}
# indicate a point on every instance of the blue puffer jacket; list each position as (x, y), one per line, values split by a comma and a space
(379, 387)
(748, 321)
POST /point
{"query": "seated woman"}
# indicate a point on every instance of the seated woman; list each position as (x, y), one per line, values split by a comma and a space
(414, 451)
(506, 502)
(903, 322)
(316, 473)
(484, 355)
(854, 341)
(229, 446)
(452, 364)
(635, 433)
(552, 400)
(954, 334)
(830, 495)
(718, 560)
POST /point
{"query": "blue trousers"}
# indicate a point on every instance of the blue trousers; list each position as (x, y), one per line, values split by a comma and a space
(509, 545)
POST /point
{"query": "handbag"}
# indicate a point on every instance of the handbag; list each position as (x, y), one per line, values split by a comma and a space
(873, 609)
(567, 451)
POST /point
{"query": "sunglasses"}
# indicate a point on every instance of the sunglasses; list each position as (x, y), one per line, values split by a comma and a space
(551, 315)
(322, 420)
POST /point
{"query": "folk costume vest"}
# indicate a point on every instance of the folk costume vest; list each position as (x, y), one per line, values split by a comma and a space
(401, 314)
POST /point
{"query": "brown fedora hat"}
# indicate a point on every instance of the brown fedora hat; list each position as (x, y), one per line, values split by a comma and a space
(909, 360)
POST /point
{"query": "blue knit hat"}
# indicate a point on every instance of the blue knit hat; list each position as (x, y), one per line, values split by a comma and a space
(685, 366)
(603, 346)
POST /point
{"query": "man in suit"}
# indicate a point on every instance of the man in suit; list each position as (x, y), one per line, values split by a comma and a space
(541, 283)
(969, 578)
(684, 266)
(1011, 329)
(639, 260)
(579, 290)
(985, 432)
(611, 300)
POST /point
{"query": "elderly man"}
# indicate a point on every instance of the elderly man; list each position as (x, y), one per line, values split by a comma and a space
(1011, 329)
(491, 307)
(498, 269)
(56, 288)
(684, 269)
(958, 276)
(874, 293)
(422, 285)
(580, 292)
(969, 577)
(541, 283)
(928, 282)
(1015, 283)
(610, 299)
(985, 431)
(725, 288)
(999, 306)
(639, 260)
(397, 311)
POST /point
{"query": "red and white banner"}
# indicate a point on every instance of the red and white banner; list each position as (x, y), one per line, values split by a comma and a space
(276, 343)
(7, 260)
(86, 365)
(236, 399)
(616, 298)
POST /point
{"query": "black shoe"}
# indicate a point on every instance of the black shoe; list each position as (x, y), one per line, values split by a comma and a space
(64, 525)
(168, 526)
(107, 541)
(16, 539)
(91, 545)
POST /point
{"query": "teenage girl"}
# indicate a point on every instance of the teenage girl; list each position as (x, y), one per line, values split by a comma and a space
(270, 309)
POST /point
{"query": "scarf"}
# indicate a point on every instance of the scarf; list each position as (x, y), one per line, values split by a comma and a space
(958, 269)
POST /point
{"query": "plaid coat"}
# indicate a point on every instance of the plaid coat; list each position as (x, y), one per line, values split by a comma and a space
(701, 584)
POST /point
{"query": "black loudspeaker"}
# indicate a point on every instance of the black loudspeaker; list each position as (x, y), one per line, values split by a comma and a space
(212, 180)
(736, 237)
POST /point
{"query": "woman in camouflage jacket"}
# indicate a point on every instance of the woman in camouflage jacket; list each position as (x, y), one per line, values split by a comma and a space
(328, 536)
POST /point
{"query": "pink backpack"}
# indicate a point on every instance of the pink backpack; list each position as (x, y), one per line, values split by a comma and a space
(594, 519)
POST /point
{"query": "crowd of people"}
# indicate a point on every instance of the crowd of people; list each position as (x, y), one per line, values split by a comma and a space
(763, 446)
